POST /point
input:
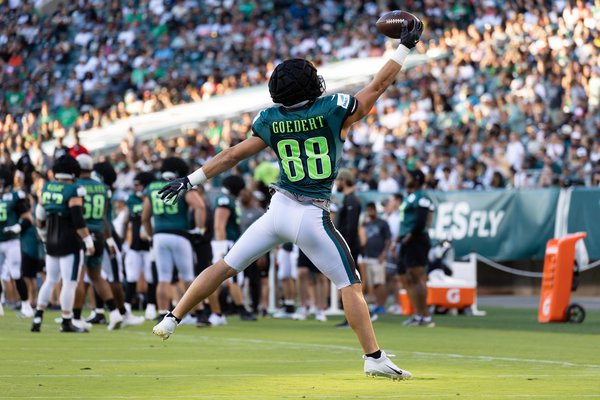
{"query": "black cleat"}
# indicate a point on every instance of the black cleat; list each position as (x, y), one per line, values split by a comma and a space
(343, 324)
(247, 316)
(67, 326)
(37, 325)
(97, 319)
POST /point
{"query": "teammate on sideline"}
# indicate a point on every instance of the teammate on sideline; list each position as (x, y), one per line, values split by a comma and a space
(226, 232)
(415, 213)
(307, 134)
(137, 257)
(95, 205)
(60, 214)
(15, 218)
(170, 231)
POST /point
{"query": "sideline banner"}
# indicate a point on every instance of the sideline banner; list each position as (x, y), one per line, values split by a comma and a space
(584, 215)
(504, 225)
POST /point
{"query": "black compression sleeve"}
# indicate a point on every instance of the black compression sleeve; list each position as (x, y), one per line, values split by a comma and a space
(77, 217)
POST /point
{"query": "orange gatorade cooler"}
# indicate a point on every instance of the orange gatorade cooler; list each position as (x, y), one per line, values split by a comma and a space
(557, 281)
(441, 296)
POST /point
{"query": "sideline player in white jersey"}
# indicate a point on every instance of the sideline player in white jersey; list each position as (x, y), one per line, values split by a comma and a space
(307, 133)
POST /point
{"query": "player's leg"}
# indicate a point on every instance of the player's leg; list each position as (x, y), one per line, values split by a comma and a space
(133, 270)
(326, 248)
(164, 266)
(30, 267)
(45, 293)
(70, 269)
(110, 273)
(95, 264)
(151, 277)
(14, 261)
(245, 251)
(287, 275)
(415, 259)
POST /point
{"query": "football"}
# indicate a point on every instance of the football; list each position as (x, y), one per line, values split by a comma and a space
(392, 24)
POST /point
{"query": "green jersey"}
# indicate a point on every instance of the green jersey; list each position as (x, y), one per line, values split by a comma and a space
(62, 237)
(408, 211)
(307, 142)
(232, 229)
(95, 204)
(168, 218)
(12, 205)
(30, 244)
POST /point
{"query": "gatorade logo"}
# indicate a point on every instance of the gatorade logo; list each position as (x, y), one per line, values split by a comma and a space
(453, 296)
(546, 306)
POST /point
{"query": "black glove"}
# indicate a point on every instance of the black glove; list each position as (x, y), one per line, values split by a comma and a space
(411, 38)
(174, 189)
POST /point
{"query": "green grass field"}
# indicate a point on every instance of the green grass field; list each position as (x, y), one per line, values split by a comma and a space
(506, 354)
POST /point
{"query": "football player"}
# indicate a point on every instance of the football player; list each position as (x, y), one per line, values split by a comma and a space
(226, 232)
(112, 258)
(60, 214)
(15, 218)
(95, 204)
(168, 225)
(307, 132)
(137, 257)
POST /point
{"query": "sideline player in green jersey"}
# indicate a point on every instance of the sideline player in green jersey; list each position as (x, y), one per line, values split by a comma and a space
(307, 133)
(170, 230)
(60, 212)
(227, 231)
(137, 257)
(94, 213)
(15, 218)
(415, 214)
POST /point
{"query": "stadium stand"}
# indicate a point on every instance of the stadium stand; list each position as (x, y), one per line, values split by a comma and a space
(516, 105)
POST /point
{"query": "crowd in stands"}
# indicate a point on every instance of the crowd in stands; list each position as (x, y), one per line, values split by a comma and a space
(515, 104)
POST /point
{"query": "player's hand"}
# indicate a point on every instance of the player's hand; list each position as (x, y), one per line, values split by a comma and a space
(411, 38)
(88, 241)
(112, 246)
(197, 231)
(174, 189)
(14, 229)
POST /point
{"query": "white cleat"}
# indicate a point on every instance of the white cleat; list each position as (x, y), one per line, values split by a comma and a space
(26, 310)
(320, 316)
(384, 367)
(115, 319)
(79, 323)
(165, 328)
(150, 313)
(188, 320)
(216, 320)
(299, 316)
(132, 320)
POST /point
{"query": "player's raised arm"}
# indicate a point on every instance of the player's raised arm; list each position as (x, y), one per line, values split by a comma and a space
(223, 161)
(367, 96)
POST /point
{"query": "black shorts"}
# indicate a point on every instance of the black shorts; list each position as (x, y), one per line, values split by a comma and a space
(203, 257)
(30, 266)
(304, 261)
(95, 260)
(414, 253)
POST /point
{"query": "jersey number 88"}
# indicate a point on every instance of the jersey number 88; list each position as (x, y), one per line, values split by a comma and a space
(317, 154)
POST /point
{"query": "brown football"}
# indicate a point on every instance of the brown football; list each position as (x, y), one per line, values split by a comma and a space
(392, 24)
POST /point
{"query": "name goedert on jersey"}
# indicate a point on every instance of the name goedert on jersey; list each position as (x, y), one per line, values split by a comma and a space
(299, 125)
